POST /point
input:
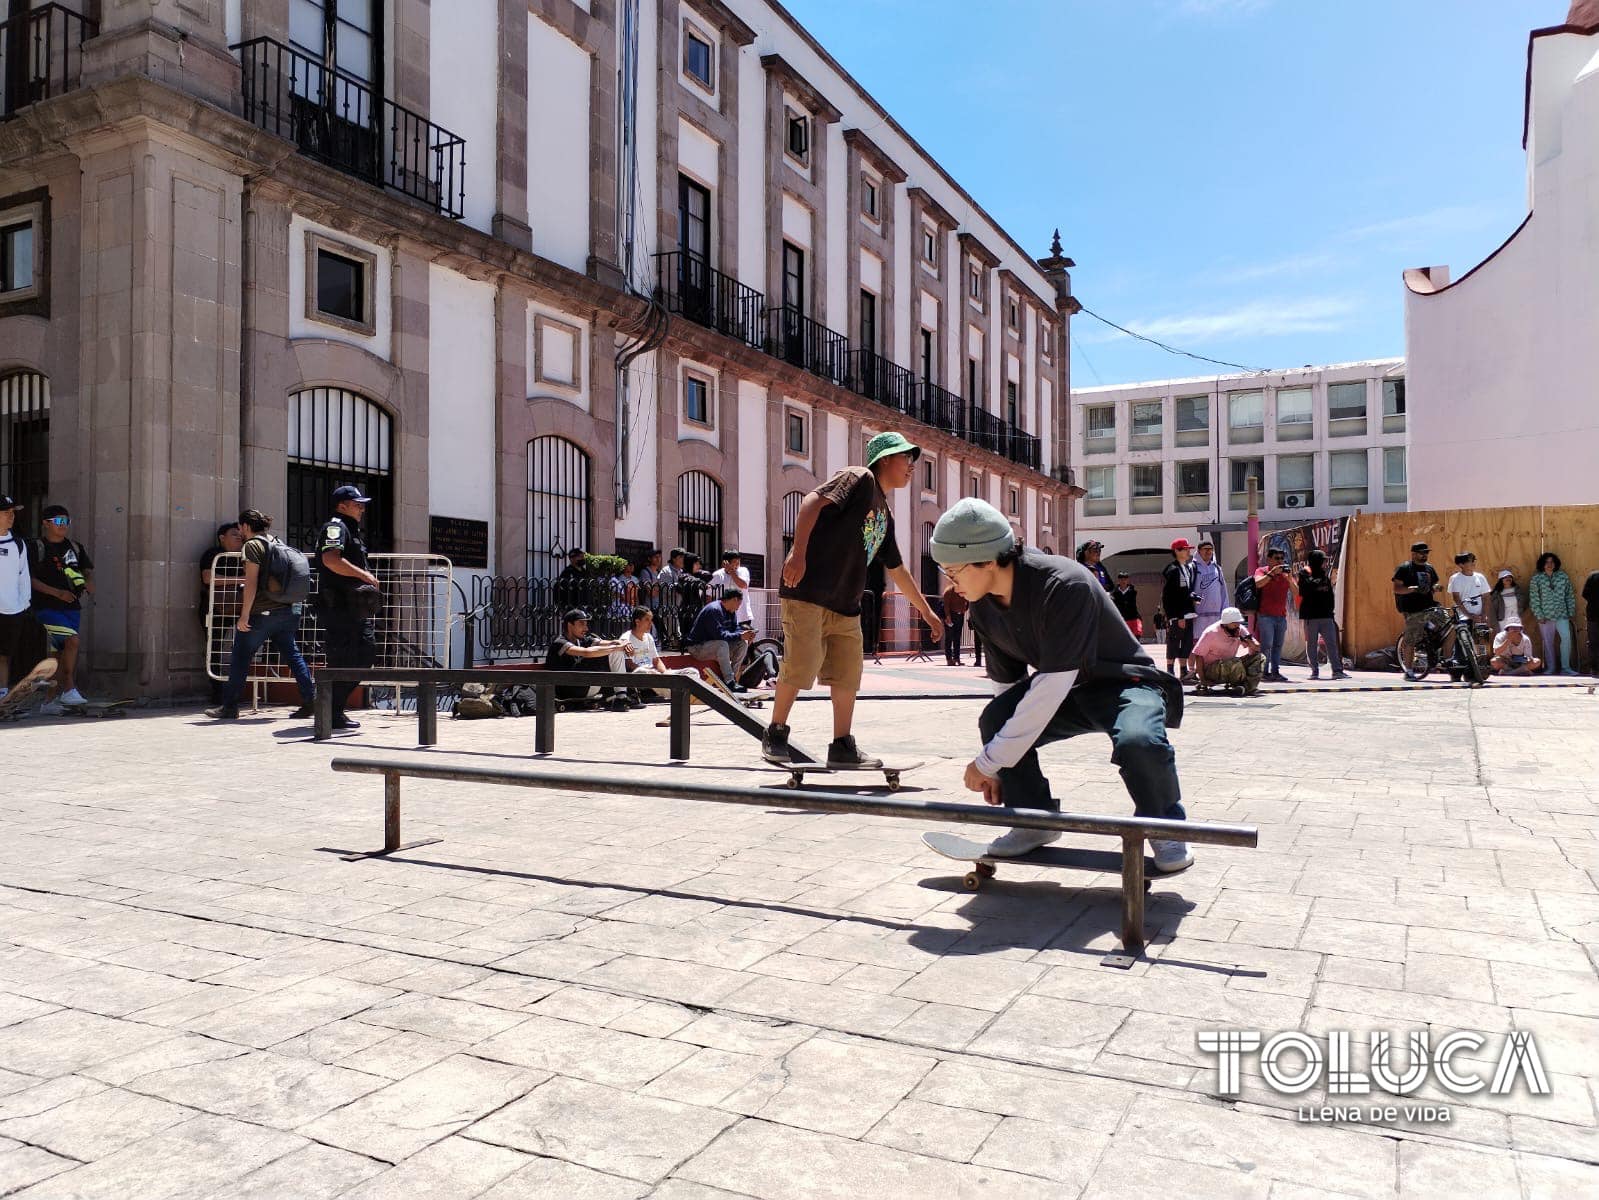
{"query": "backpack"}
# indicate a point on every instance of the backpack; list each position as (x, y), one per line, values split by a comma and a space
(286, 568)
(1246, 596)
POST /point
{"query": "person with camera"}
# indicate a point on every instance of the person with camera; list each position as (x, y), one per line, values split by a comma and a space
(1227, 655)
(1513, 651)
(1414, 583)
(1274, 585)
(347, 595)
(1180, 604)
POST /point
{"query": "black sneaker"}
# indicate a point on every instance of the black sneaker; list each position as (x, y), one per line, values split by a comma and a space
(223, 712)
(618, 704)
(304, 713)
(343, 721)
(634, 700)
(738, 689)
(774, 745)
(844, 755)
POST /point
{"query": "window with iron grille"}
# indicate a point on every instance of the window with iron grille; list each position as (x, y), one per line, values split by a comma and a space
(338, 437)
(791, 509)
(560, 505)
(699, 515)
(25, 440)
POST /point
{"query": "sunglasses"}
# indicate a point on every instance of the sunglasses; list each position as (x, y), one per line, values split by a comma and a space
(58, 520)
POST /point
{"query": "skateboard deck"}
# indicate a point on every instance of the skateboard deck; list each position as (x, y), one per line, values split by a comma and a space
(35, 685)
(747, 699)
(984, 866)
(100, 708)
(796, 772)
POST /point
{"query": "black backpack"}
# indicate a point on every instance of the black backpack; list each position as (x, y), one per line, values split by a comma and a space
(287, 568)
(1246, 596)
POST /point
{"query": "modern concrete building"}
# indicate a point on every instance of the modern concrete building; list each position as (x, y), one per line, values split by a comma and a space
(535, 273)
(1173, 458)
(1503, 361)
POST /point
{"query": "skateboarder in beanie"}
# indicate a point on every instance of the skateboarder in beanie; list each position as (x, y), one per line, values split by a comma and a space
(842, 525)
(1048, 615)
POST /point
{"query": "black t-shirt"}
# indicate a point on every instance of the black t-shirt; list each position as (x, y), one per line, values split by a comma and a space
(557, 659)
(1126, 602)
(1411, 575)
(1177, 593)
(1315, 596)
(1590, 593)
(852, 529)
(344, 535)
(60, 565)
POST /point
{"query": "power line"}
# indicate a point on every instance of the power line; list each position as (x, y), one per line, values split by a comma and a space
(1220, 362)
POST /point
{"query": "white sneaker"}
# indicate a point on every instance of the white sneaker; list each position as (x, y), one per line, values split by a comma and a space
(72, 699)
(1021, 841)
(1171, 856)
(52, 708)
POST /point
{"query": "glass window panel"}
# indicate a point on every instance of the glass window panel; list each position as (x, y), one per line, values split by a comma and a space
(1246, 410)
(1147, 416)
(306, 26)
(1101, 483)
(357, 13)
(1146, 480)
(1193, 413)
(353, 50)
(1393, 398)
(1296, 473)
(340, 287)
(1242, 468)
(1346, 400)
(16, 256)
(696, 406)
(1348, 469)
(1294, 406)
(1193, 478)
(1393, 465)
(1101, 422)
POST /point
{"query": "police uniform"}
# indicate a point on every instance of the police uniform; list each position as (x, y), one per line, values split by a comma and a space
(350, 636)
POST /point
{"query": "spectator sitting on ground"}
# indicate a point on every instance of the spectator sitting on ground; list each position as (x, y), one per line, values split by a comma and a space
(638, 643)
(1228, 655)
(1125, 597)
(1513, 651)
(716, 638)
(579, 650)
(733, 574)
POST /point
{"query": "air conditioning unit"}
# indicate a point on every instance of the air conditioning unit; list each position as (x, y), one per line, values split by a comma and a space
(1296, 499)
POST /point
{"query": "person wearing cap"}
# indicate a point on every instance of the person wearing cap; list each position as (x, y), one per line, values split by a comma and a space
(1210, 587)
(1088, 554)
(1468, 585)
(1513, 651)
(1227, 655)
(842, 526)
(1414, 583)
(347, 611)
(1317, 610)
(16, 589)
(576, 649)
(62, 573)
(1178, 601)
(1506, 601)
(1063, 663)
(1125, 597)
(733, 575)
(1275, 586)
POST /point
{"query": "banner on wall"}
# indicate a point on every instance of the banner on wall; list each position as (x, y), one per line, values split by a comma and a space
(1328, 536)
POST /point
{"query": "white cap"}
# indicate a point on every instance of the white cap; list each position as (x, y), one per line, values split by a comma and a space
(1231, 616)
(1507, 574)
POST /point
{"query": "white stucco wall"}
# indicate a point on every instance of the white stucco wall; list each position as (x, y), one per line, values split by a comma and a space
(301, 325)
(753, 502)
(838, 456)
(751, 265)
(462, 45)
(558, 145)
(641, 521)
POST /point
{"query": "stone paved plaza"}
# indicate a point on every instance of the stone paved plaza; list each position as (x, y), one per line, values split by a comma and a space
(613, 997)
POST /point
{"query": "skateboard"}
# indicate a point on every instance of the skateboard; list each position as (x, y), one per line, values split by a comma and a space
(100, 708)
(749, 699)
(35, 685)
(984, 868)
(797, 771)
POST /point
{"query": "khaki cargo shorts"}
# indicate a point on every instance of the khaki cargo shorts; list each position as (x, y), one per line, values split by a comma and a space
(820, 645)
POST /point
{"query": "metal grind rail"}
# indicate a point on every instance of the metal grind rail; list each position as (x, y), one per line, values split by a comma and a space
(1132, 831)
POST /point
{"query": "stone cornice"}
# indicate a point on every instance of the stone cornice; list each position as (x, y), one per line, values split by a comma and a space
(778, 66)
(932, 208)
(977, 250)
(874, 154)
(723, 18)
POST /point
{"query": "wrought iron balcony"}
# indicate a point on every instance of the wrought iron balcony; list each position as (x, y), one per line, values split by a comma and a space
(797, 339)
(985, 431)
(875, 377)
(690, 287)
(934, 406)
(41, 55)
(1023, 449)
(336, 118)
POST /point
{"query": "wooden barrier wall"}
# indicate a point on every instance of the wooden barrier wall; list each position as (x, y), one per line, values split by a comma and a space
(1499, 537)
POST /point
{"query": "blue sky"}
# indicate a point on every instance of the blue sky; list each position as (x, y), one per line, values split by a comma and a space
(1242, 178)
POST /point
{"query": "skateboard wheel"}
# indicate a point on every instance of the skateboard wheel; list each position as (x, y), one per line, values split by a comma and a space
(794, 781)
(893, 780)
(972, 881)
(986, 870)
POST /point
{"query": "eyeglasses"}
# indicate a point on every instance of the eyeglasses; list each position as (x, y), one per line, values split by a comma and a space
(58, 520)
(952, 573)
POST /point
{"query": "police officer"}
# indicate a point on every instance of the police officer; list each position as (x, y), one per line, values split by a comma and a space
(347, 594)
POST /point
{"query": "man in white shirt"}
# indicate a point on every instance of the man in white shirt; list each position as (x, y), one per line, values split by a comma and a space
(16, 588)
(1468, 585)
(733, 575)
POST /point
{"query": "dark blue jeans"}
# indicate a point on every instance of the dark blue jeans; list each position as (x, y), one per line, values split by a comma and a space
(278, 627)
(1272, 632)
(1134, 714)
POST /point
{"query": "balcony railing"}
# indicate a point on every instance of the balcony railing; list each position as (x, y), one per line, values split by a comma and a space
(984, 430)
(875, 377)
(41, 55)
(1024, 449)
(932, 405)
(808, 344)
(690, 287)
(336, 118)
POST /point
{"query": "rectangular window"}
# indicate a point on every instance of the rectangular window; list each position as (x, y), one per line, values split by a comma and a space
(1393, 405)
(1193, 420)
(1146, 488)
(697, 57)
(869, 198)
(793, 277)
(1101, 497)
(16, 257)
(1347, 476)
(1046, 513)
(1013, 314)
(1394, 481)
(1010, 402)
(868, 321)
(1246, 416)
(341, 287)
(974, 283)
(694, 219)
(929, 246)
(697, 399)
(1240, 471)
(1193, 485)
(1099, 429)
(976, 486)
(1346, 409)
(796, 433)
(1147, 422)
(1046, 342)
(1295, 416)
(929, 475)
(1013, 502)
(1296, 481)
(974, 393)
(799, 135)
(928, 361)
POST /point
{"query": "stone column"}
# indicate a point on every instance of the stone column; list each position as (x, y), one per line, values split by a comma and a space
(182, 43)
(511, 211)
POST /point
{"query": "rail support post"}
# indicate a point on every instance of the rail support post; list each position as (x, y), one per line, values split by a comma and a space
(680, 724)
(1133, 885)
(544, 719)
(391, 824)
(427, 713)
(322, 712)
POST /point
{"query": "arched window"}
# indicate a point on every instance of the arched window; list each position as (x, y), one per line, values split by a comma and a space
(791, 507)
(931, 581)
(338, 437)
(25, 440)
(560, 505)
(699, 517)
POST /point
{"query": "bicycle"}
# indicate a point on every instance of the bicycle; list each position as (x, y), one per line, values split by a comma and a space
(1446, 640)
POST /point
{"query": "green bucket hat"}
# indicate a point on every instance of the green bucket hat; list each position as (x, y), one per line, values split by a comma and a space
(972, 531)
(885, 444)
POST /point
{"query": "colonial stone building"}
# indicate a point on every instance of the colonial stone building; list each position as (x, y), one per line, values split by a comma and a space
(539, 273)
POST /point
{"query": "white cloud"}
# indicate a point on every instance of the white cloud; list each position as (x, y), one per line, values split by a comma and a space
(1294, 264)
(1452, 219)
(1260, 318)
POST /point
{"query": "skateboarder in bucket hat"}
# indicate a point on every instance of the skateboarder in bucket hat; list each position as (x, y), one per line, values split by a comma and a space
(1063, 663)
(842, 526)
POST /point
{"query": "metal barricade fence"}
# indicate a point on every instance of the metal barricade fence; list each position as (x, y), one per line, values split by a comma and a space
(413, 625)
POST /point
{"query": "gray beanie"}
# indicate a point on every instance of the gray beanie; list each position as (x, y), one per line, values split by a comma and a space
(973, 531)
